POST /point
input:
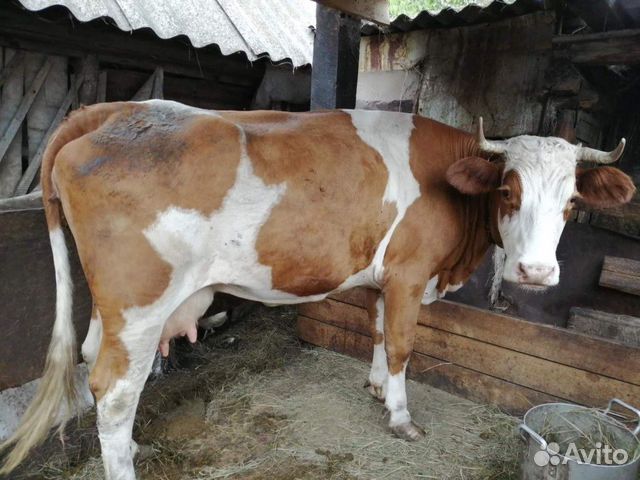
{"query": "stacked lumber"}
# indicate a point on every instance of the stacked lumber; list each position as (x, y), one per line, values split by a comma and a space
(621, 274)
(621, 328)
(487, 357)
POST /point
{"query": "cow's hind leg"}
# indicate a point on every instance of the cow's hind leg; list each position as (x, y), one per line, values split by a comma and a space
(126, 354)
(377, 383)
(402, 304)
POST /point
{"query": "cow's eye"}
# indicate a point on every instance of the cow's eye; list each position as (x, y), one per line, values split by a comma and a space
(506, 193)
(572, 201)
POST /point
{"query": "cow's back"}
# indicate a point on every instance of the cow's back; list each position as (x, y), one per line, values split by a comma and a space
(300, 195)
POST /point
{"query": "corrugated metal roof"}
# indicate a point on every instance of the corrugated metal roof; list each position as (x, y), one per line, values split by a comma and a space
(451, 17)
(279, 29)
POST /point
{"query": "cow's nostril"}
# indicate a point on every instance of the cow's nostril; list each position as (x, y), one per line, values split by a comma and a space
(536, 272)
(522, 269)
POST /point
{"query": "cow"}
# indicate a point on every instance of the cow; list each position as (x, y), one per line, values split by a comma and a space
(169, 204)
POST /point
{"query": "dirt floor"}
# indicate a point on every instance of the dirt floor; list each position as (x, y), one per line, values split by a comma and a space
(251, 402)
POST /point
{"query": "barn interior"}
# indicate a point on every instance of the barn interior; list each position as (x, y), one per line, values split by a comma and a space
(489, 352)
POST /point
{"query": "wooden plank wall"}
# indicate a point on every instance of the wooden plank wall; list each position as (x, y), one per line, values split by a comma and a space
(487, 357)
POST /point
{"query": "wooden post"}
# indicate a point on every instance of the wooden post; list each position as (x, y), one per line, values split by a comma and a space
(88, 91)
(335, 60)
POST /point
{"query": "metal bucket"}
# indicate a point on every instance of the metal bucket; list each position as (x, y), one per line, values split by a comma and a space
(563, 425)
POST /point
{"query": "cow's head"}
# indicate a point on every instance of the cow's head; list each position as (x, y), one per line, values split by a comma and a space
(533, 189)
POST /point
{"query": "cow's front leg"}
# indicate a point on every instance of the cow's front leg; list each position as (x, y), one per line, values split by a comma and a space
(401, 306)
(377, 383)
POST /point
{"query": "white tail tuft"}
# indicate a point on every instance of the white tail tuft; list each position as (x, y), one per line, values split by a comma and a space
(56, 398)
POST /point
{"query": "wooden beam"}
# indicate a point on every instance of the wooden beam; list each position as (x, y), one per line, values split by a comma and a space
(620, 328)
(152, 88)
(621, 274)
(32, 169)
(559, 345)
(599, 15)
(375, 10)
(25, 104)
(101, 95)
(24, 202)
(11, 66)
(621, 47)
(158, 84)
(88, 86)
(335, 60)
(454, 379)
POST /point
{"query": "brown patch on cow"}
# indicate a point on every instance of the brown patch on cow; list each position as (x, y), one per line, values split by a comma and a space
(443, 233)
(510, 194)
(370, 303)
(604, 187)
(185, 161)
(324, 229)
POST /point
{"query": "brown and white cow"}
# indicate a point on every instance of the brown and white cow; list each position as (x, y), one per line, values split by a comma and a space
(169, 204)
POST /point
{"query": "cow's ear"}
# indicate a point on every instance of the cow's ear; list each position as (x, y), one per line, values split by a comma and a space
(604, 187)
(474, 175)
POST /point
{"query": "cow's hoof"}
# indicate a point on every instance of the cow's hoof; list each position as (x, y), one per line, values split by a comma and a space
(377, 391)
(408, 431)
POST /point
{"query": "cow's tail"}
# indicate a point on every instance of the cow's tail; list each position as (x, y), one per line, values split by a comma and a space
(57, 394)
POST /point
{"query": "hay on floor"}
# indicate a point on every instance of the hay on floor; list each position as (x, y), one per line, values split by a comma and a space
(250, 402)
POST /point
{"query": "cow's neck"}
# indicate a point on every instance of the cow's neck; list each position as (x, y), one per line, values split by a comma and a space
(473, 219)
(479, 232)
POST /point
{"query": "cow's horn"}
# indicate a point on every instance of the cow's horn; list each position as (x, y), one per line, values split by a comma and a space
(484, 144)
(586, 154)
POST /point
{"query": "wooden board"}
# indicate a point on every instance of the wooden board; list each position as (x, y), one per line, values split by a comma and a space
(509, 59)
(488, 357)
(27, 290)
(620, 47)
(621, 328)
(452, 378)
(621, 274)
(12, 92)
(559, 345)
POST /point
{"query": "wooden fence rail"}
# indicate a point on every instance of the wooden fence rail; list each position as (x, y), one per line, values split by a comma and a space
(485, 356)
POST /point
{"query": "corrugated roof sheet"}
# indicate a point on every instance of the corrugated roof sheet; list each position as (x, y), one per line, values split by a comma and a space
(279, 29)
(450, 17)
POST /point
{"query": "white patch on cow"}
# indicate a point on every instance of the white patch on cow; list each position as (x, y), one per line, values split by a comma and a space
(396, 399)
(389, 134)
(91, 344)
(431, 292)
(379, 369)
(546, 167)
